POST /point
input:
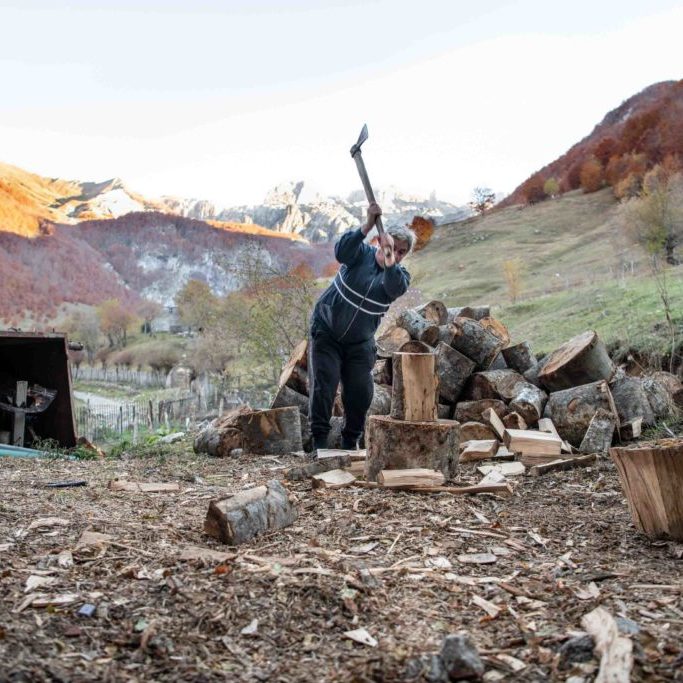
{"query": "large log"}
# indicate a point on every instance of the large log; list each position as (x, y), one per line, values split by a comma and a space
(391, 341)
(472, 312)
(418, 328)
(652, 478)
(222, 435)
(415, 388)
(286, 396)
(631, 399)
(239, 518)
(523, 397)
(473, 411)
(381, 400)
(572, 410)
(433, 311)
(271, 432)
(598, 436)
(454, 370)
(581, 360)
(519, 357)
(394, 444)
(475, 341)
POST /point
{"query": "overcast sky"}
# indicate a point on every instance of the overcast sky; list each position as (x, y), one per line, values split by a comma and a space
(225, 99)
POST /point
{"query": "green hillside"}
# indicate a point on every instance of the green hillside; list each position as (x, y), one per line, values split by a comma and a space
(577, 272)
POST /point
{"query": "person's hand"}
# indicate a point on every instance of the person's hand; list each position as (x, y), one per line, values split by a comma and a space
(374, 212)
(386, 243)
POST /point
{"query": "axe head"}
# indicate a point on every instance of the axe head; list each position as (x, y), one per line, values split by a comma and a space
(361, 139)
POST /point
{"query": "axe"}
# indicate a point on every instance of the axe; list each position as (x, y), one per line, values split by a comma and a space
(358, 158)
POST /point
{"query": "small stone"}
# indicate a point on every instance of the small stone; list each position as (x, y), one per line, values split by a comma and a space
(87, 610)
(460, 658)
(577, 649)
(627, 627)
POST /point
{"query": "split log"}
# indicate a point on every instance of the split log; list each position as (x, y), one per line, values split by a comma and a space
(240, 517)
(526, 442)
(507, 469)
(394, 444)
(491, 417)
(598, 437)
(581, 360)
(563, 464)
(415, 478)
(142, 486)
(631, 399)
(415, 388)
(476, 431)
(286, 396)
(572, 410)
(631, 430)
(444, 411)
(381, 400)
(381, 373)
(391, 341)
(271, 432)
(533, 459)
(524, 398)
(294, 373)
(651, 476)
(472, 312)
(433, 311)
(418, 327)
(476, 342)
(478, 450)
(467, 411)
(546, 425)
(333, 479)
(514, 420)
(454, 370)
(500, 489)
(415, 346)
(519, 357)
(319, 465)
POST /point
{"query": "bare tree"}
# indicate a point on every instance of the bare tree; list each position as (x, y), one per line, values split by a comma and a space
(483, 198)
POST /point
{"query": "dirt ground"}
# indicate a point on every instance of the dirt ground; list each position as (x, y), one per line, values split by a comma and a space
(278, 609)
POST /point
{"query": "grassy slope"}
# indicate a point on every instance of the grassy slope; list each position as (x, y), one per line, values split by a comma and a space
(570, 276)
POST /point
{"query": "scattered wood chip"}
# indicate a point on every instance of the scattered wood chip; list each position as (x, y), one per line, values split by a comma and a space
(590, 592)
(60, 600)
(34, 581)
(89, 538)
(191, 553)
(251, 628)
(360, 635)
(439, 562)
(616, 651)
(477, 558)
(48, 522)
(515, 664)
(332, 479)
(492, 610)
(142, 487)
(65, 559)
(363, 549)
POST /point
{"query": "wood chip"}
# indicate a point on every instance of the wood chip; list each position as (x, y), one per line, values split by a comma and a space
(89, 538)
(477, 558)
(360, 635)
(590, 592)
(492, 610)
(142, 487)
(515, 664)
(616, 651)
(507, 469)
(34, 581)
(48, 522)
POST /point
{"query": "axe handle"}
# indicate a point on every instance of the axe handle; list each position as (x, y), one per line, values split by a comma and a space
(362, 172)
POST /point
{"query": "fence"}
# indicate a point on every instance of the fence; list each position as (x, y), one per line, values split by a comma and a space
(119, 375)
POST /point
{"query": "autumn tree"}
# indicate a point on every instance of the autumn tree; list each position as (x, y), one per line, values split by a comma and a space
(591, 175)
(551, 187)
(197, 304)
(512, 273)
(148, 310)
(84, 327)
(483, 198)
(533, 190)
(116, 320)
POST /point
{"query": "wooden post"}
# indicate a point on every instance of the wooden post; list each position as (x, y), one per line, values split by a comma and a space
(19, 417)
(415, 387)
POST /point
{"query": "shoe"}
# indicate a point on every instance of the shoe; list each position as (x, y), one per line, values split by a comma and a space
(349, 445)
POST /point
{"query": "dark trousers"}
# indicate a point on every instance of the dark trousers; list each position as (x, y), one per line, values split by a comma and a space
(330, 362)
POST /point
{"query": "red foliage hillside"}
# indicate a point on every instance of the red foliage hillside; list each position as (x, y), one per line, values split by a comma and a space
(644, 130)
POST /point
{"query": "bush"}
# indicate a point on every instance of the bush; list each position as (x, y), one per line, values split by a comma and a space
(591, 175)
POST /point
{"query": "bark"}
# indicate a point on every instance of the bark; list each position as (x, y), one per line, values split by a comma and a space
(381, 400)
(598, 437)
(286, 396)
(418, 327)
(472, 312)
(466, 411)
(454, 370)
(381, 373)
(519, 357)
(631, 399)
(391, 341)
(476, 342)
(433, 311)
(271, 432)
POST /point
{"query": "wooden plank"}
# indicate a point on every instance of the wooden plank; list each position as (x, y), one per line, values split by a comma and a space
(508, 469)
(526, 441)
(615, 650)
(563, 464)
(332, 479)
(491, 417)
(502, 489)
(416, 477)
(478, 450)
(545, 424)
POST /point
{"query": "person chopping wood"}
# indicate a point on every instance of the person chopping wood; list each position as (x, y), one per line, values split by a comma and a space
(345, 319)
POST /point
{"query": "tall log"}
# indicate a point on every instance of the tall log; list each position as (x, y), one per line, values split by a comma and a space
(286, 396)
(454, 370)
(581, 360)
(271, 432)
(433, 311)
(395, 444)
(519, 357)
(472, 312)
(598, 436)
(239, 518)
(476, 342)
(391, 341)
(652, 478)
(415, 387)
(381, 400)
(524, 398)
(572, 410)
(631, 399)
(473, 411)
(418, 328)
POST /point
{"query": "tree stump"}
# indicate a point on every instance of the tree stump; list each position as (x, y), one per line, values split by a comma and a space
(418, 328)
(600, 432)
(271, 432)
(396, 444)
(519, 357)
(244, 515)
(415, 387)
(631, 399)
(572, 410)
(286, 397)
(581, 360)
(391, 341)
(473, 411)
(651, 476)
(476, 342)
(433, 311)
(454, 370)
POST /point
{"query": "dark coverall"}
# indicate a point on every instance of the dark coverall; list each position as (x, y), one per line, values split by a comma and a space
(345, 319)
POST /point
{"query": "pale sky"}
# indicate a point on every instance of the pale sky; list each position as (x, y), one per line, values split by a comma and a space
(225, 99)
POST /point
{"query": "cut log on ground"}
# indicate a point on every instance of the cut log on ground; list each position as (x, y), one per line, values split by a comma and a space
(581, 360)
(528, 442)
(475, 341)
(454, 369)
(523, 397)
(415, 388)
(472, 411)
(414, 478)
(381, 400)
(381, 373)
(418, 328)
(339, 461)
(651, 476)
(519, 357)
(491, 417)
(478, 450)
(563, 463)
(499, 489)
(332, 479)
(631, 399)
(433, 311)
(394, 445)
(631, 430)
(286, 396)
(271, 432)
(514, 421)
(472, 312)
(391, 341)
(598, 437)
(239, 518)
(572, 410)
(476, 431)
(142, 486)
(222, 435)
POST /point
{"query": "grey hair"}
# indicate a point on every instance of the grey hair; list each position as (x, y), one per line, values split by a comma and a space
(402, 233)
